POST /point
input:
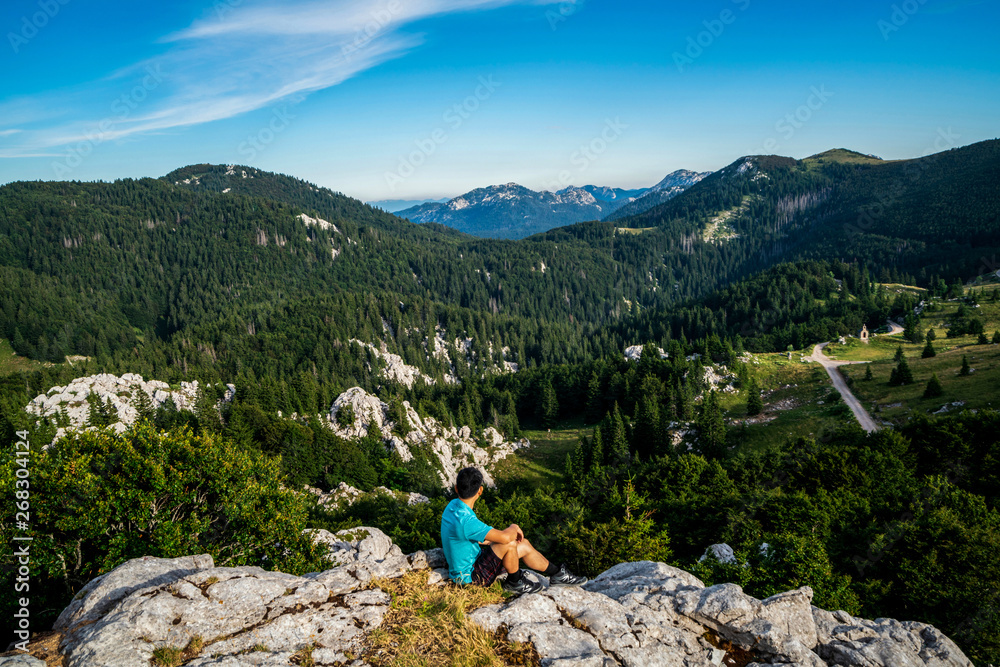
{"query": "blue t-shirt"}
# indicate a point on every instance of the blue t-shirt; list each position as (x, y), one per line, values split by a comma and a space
(461, 532)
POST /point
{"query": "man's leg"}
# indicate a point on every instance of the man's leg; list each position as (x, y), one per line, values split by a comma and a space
(531, 556)
(507, 553)
(536, 561)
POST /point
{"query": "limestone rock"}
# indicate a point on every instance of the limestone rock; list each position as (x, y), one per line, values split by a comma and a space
(453, 448)
(642, 614)
(844, 639)
(22, 660)
(720, 552)
(123, 394)
(147, 603)
(346, 495)
(634, 352)
(367, 553)
(105, 591)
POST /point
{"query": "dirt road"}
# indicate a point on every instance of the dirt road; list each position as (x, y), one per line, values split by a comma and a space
(865, 419)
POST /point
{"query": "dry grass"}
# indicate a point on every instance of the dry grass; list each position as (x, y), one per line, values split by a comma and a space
(45, 647)
(427, 626)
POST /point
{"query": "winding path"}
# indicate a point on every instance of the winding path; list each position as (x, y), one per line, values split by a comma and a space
(831, 366)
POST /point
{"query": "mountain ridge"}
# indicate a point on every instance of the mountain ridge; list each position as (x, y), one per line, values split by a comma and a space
(514, 211)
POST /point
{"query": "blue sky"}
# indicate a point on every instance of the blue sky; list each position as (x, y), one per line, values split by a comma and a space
(394, 99)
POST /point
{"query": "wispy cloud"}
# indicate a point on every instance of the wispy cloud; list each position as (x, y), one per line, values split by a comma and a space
(232, 62)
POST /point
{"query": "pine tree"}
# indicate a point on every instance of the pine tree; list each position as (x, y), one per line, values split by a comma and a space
(983, 340)
(647, 422)
(929, 350)
(899, 354)
(596, 451)
(934, 388)
(616, 438)
(966, 369)
(901, 374)
(931, 334)
(996, 337)
(548, 407)
(911, 328)
(595, 401)
(711, 427)
(755, 404)
(141, 403)
(868, 372)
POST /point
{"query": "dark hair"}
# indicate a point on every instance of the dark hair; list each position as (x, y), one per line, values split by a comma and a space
(468, 482)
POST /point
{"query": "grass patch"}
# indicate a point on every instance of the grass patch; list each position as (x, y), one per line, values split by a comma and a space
(172, 656)
(792, 402)
(634, 231)
(428, 626)
(896, 404)
(11, 362)
(544, 463)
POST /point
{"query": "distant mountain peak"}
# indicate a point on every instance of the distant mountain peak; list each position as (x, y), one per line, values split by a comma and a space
(511, 210)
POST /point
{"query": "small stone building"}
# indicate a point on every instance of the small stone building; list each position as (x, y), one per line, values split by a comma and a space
(863, 334)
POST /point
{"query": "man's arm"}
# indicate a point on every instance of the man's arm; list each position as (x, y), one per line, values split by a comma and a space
(512, 533)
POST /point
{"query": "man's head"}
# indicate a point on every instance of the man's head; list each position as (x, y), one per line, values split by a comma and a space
(468, 483)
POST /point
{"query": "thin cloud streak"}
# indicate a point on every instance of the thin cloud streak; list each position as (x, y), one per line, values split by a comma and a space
(249, 59)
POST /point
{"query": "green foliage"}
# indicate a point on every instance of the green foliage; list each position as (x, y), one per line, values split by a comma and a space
(901, 374)
(782, 562)
(630, 535)
(934, 388)
(966, 369)
(99, 499)
(711, 427)
(755, 404)
(929, 350)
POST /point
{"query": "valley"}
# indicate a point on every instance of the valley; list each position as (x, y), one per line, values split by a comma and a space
(637, 388)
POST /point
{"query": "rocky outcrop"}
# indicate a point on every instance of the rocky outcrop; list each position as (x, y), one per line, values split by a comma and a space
(73, 400)
(451, 447)
(649, 614)
(346, 495)
(235, 615)
(640, 614)
(395, 369)
(634, 352)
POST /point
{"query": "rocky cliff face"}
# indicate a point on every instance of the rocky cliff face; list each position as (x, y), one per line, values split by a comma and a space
(452, 447)
(72, 401)
(641, 614)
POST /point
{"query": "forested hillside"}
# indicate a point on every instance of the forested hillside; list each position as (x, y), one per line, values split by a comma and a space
(294, 294)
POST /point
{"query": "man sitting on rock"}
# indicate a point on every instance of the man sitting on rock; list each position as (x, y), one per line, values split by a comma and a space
(478, 553)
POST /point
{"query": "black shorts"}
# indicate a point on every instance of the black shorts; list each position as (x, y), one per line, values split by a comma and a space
(487, 568)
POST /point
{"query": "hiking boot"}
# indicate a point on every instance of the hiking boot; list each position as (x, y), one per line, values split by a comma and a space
(565, 578)
(525, 585)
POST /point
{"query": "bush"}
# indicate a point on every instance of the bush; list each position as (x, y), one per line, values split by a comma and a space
(99, 499)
